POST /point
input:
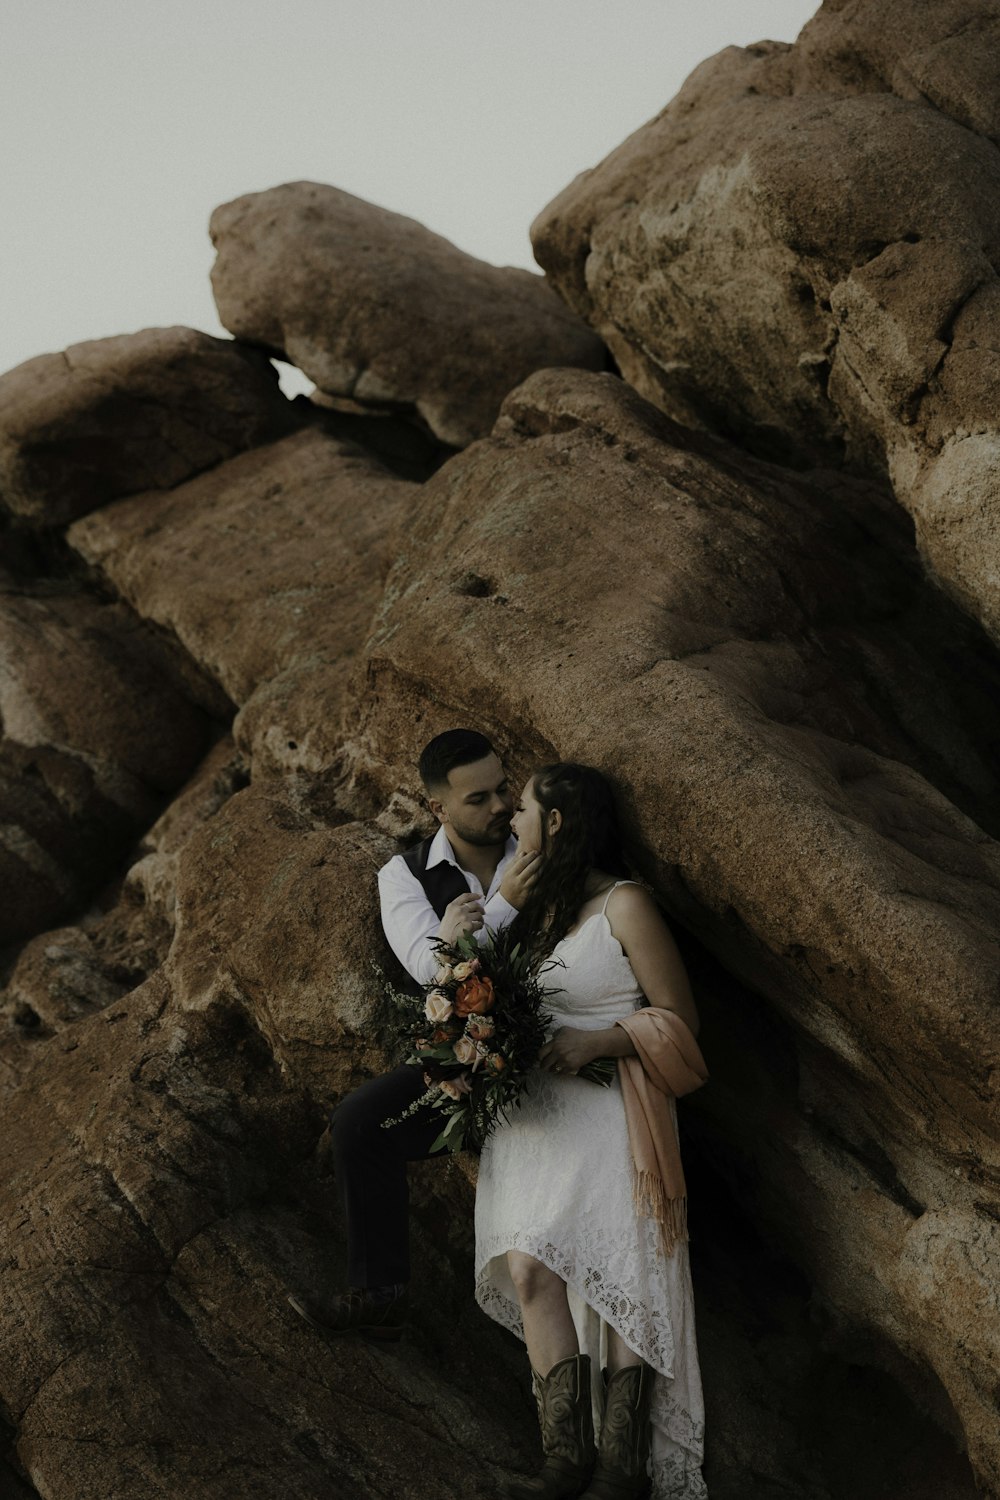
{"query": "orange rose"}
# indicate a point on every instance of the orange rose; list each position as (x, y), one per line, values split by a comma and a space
(495, 1063)
(474, 997)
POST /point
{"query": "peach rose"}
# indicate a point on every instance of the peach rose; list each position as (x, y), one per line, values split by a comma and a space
(437, 1006)
(464, 970)
(480, 1027)
(456, 1087)
(474, 997)
(465, 1050)
(495, 1063)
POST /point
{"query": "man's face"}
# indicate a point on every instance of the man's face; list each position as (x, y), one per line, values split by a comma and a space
(477, 803)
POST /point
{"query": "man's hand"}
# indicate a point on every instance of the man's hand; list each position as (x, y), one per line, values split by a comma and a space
(519, 876)
(461, 916)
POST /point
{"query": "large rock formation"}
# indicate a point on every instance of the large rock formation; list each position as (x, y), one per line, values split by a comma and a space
(93, 736)
(144, 411)
(215, 683)
(727, 645)
(373, 306)
(299, 534)
(800, 252)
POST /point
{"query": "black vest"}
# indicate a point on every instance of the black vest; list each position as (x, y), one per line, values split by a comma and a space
(441, 883)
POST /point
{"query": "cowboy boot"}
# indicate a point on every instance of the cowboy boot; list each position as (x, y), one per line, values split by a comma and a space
(624, 1447)
(566, 1420)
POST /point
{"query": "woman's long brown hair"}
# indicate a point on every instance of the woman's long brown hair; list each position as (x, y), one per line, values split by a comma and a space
(589, 837)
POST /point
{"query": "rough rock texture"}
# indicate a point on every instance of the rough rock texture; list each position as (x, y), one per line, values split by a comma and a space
(93, 736)
(277, 910)
(65, 974)
(801, 252)
(727, 645)
(143, 411)
(266, 571)
(211, 702)
(373, 306)
(146, 1273)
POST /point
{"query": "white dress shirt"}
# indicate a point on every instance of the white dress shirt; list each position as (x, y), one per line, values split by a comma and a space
(411, 923)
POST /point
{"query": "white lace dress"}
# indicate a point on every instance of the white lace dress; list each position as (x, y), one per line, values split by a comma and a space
(556, 1183)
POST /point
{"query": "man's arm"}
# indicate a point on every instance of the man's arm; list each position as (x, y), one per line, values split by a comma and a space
(411, 923)
(409, 920)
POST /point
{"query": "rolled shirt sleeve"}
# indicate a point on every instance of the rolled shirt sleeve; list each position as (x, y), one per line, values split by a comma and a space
(411, 923)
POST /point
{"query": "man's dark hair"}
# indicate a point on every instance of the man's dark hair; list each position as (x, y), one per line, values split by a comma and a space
(456, 747)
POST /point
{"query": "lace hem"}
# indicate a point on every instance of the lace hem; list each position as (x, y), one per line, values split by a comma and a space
(648, 1335)
(678, 1438)
(677, 1476)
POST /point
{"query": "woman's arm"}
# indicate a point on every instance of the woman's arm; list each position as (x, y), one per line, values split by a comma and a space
(637, 924)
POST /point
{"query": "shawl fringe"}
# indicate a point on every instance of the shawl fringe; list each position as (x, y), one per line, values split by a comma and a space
(651, 1201)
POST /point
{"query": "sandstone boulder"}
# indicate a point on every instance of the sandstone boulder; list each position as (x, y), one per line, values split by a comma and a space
(64, 975)
(94, 737)
(373, 306)
(114, 416)
(800, 253)
(266, 571)
(278, 912)
(739, 649)
(946, 55)
(146, 1268)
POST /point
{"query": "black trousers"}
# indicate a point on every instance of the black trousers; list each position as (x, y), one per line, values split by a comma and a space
(370, 1164)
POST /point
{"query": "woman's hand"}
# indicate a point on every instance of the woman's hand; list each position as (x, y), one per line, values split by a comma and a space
(519, 876)
(461, 916)
(570, 1050)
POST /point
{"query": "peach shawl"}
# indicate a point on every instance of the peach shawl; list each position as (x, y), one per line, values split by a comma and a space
(667, 1064)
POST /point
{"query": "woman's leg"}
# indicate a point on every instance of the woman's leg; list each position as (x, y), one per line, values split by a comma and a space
(561, 1383)
(620, 1356)
(549, 1332)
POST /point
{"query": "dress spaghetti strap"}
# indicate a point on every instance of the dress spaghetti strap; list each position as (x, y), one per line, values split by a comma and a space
(604, 908)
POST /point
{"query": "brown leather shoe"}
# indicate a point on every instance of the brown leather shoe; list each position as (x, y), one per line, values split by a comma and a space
(375, 1312)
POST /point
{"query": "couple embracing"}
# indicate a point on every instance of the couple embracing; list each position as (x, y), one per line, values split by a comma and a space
(581, 1239)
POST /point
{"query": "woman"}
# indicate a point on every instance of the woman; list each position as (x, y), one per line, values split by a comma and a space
(581, 1245)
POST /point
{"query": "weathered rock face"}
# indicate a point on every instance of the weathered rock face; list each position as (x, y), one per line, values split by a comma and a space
(279, 911)
(172, 1152)
(113, 416)
(93, 736)
(728, 643)
(266, 570)
(945, 55)
(63, 976)
(800, 253)
(211, 714)
(373, 306)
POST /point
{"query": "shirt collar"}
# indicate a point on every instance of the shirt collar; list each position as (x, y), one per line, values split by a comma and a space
(441, 851)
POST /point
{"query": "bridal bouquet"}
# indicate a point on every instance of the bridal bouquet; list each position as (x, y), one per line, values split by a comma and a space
(475, 1031)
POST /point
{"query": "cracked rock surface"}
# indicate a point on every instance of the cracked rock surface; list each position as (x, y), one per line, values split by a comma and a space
(373, 306)
(727, 638)
(93, 736)
(228, 627)
(800, 252)
(142, 411)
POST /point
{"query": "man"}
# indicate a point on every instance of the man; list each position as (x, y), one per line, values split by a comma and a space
(467, 878)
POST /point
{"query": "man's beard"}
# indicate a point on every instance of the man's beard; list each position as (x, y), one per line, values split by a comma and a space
(483, 838)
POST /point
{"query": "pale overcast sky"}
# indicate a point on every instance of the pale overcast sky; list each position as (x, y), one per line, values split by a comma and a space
(124, 122)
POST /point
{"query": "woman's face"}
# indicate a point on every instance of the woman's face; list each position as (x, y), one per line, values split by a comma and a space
(526, 823)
